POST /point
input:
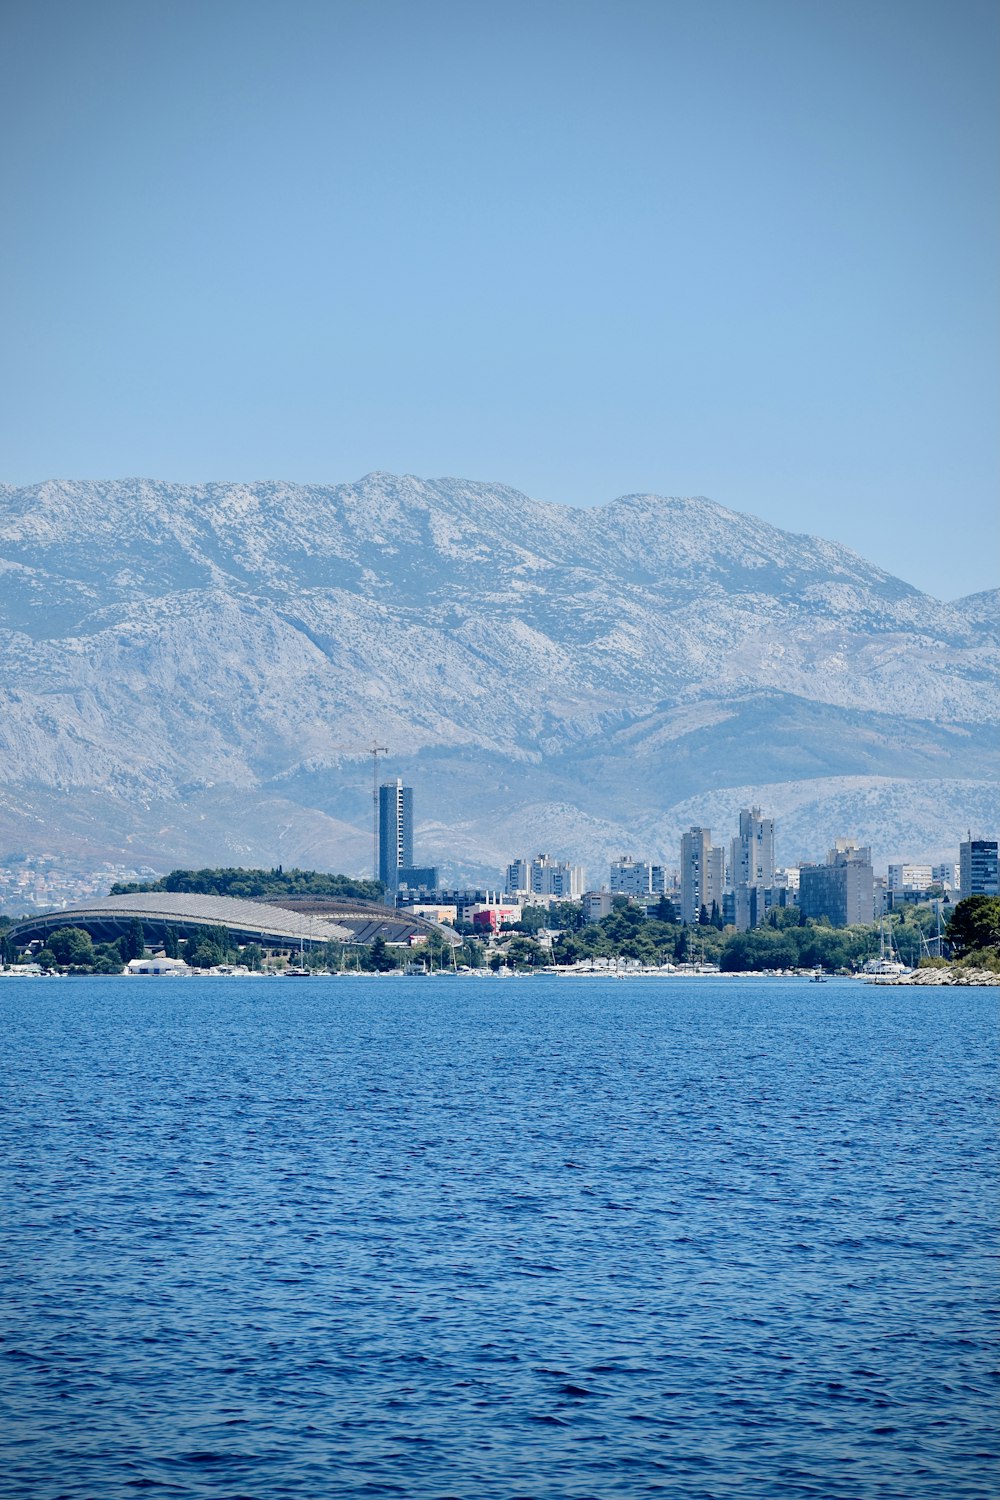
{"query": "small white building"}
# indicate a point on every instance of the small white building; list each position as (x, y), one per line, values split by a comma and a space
(157, 966)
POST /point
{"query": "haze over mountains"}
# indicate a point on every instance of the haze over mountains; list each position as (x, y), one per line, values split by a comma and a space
(192, 674)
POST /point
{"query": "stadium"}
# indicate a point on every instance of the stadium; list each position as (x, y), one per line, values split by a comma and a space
(288, 925)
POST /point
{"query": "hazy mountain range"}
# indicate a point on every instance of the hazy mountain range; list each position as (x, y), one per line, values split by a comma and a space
(192, 673)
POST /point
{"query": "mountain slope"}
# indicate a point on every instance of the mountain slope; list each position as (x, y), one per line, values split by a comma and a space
(170, 644)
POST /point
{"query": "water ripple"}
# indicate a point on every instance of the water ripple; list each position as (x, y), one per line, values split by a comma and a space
(545, 1239)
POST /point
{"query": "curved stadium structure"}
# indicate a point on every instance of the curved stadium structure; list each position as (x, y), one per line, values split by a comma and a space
(271, 924)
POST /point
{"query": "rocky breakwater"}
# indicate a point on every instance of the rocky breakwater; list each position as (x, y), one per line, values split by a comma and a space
(942, 976)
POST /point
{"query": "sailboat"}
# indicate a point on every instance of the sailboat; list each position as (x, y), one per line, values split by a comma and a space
(887, 965)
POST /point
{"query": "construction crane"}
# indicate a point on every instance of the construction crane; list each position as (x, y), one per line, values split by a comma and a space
(374, 751)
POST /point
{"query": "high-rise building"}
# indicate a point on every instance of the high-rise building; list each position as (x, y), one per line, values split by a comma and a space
(518, 876)
(977, 864)
(842, 890)
(702, 873)
(752, 851)
(751, 860)
(555, 877)
(395, 831)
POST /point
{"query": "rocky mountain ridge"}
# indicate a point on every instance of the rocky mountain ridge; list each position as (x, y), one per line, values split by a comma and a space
(171, 646)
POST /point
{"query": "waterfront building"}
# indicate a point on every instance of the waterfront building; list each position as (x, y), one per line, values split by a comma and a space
(702, 873)
(842, 890)
(977, 863)
(395, 831)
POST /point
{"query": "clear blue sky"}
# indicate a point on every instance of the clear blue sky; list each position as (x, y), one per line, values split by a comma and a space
(739, 248)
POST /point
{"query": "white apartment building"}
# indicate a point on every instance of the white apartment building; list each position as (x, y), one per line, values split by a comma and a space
(630, 877)
(544, 876)
(902, 877)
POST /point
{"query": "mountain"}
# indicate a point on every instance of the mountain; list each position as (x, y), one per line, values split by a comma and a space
(194, 672)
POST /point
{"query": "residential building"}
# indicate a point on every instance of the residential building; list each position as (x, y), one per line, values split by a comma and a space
(842, 890)
(945, 875)
(752, 851)
(977, 863)
(543, 876)
(909, 877)
(597, 904)
(556, 877)
(395, 831)
(631, 877)
(751, 868)
(702, 873)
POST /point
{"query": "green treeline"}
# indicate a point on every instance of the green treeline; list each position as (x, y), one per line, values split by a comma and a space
(255, 883)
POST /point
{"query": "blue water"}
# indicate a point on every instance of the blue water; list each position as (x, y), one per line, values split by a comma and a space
(487, 1238)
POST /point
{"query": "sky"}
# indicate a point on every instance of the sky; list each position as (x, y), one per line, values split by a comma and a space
(745, 249)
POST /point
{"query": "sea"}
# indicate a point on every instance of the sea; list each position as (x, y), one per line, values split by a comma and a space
(492, 1238)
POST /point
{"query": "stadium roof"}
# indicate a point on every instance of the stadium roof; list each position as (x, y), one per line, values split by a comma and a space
(268, 923)
(247, 921)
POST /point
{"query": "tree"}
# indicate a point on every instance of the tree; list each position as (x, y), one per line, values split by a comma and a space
(135, 942)
(974, 925)
(233, 881)
(171, 943)
(107, 958)
(525, 953)
(72, 947)
(379, 959)
(201, 954)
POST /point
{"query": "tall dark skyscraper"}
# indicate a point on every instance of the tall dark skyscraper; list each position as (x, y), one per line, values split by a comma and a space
(395, 831)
